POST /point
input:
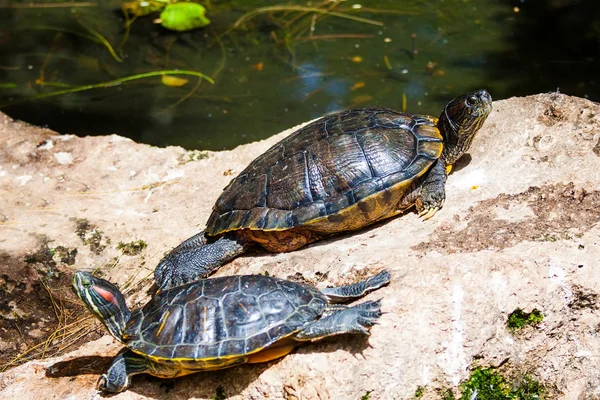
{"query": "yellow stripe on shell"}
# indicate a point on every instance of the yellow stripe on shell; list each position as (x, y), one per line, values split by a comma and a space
(164, 360)
(425, 130)
(164, 318)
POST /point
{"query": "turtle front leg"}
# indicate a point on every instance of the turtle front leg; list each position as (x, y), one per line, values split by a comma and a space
(194, 259)
(118, 376)
(433, 191)
(342, 294)
(357, 319)
(198, 240)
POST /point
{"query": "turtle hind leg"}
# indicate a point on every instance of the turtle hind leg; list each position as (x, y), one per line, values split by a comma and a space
(342, 294)
(357, 319)
(118, 376)
(195, 258)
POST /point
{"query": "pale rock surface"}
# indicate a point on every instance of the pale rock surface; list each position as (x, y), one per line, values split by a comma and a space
(519, 230)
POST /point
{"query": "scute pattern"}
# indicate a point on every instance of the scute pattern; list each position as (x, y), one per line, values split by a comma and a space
(275, 306)
(326, 167)
(240, 311)
(210, 322)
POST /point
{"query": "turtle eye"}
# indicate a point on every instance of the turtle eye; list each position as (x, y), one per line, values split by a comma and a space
(471, 100)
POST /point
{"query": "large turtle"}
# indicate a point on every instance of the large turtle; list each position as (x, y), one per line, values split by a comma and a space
(221, 322)
(339, 173)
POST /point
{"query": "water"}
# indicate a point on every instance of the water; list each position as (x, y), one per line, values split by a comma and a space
(265, 84)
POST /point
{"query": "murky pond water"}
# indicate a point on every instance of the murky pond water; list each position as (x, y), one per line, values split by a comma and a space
(281, 66)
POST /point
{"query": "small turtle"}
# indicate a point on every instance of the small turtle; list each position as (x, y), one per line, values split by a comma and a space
(221, 322)
(340, 173)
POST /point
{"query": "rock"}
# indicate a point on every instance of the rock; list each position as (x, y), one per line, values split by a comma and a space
(520, 229)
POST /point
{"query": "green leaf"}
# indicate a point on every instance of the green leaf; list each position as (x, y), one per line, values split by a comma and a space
(184, 16)
(140, 8)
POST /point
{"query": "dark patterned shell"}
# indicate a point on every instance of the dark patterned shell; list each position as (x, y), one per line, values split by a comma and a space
(214, 322)
(329, 166)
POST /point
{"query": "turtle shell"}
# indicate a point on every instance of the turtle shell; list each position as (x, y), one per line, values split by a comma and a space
(215, 323)
(341, 172)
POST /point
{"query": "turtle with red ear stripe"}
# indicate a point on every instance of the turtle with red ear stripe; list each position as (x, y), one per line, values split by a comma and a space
(222, 322)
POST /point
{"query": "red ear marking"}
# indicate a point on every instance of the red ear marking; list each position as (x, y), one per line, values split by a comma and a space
(106, 295)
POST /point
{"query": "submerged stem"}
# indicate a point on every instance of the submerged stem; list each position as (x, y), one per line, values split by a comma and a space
(262, 10)
(114, 82)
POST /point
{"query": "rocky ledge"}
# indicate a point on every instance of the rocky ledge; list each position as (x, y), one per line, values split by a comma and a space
(519, 231)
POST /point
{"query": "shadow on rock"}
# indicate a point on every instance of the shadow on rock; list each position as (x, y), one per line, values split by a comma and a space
(79, 366)
(209, 384)
(353, 344)
(233, 381)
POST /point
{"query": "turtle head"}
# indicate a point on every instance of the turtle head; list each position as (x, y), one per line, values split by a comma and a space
(460, 121)
(104, 300)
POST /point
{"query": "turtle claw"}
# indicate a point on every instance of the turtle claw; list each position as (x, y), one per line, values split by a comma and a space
(428, 213)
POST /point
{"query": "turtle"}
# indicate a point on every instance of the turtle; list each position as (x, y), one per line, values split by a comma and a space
(222, 322)
(337, 174)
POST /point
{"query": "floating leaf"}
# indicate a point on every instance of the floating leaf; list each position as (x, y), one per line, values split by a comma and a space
(173, 81)
(358, 85)
(388, 64)
(258, 66)
(140, 8)
(184, 16)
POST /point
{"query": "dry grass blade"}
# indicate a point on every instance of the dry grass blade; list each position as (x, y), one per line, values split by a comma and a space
(69, 330)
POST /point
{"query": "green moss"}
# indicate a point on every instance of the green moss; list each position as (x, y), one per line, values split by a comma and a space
(529, 388)
(132, 248)
(447, 394)
(65, 254)
(485, 384)
(519, 319)
(82, 227)
(366, 396)
(220, 394)
(90, 235)
(419, 392)
(488, 384)
(196, 155)
(47, 260)
(43, 262)
(548, 238)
